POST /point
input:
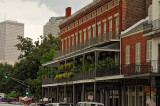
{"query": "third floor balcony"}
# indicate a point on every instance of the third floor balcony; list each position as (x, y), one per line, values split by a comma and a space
(101, 39)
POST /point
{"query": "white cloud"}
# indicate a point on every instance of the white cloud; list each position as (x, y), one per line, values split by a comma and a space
(33, 15)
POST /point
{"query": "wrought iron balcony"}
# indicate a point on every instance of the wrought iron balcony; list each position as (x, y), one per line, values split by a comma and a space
(143, 67)
(151, 26)
(77, 76)
(108, 71)
(100, 39)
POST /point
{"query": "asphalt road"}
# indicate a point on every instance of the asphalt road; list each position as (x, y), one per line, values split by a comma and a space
(2, 104)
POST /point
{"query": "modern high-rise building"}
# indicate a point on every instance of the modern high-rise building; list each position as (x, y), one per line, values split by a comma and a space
(9, 30)
(52, 26)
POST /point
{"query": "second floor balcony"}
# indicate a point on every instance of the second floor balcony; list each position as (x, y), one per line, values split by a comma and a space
(151, 67)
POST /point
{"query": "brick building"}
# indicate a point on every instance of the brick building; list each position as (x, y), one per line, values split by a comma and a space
(90, 63)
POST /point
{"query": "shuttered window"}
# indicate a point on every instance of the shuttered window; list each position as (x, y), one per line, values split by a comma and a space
(149, 50)
(138, 49)
(128, 54)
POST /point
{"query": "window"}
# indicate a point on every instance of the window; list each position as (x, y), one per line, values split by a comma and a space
(89, 33)
(104, 8)
(76, 38)
(80, 21)
(93, 14)
(137, 53)
(89, 16)
(72, 25)
(117, 26)
(116, 2)
(149, 50)
(99, 29)
(72, 40)
(85, 35)
(110, 28)
(140, 101)
(99, 11)
(80, 35)
(66, 43)
(84, 19)
(69, 43)
(104, 27)
(62, 44)
(110, 4)
(94, 29)
(76, 23)
(133, 100)
(128, 54)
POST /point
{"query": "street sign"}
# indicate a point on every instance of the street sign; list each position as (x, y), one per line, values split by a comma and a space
(147, 89)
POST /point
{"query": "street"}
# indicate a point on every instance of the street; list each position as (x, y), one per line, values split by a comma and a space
(4, 104)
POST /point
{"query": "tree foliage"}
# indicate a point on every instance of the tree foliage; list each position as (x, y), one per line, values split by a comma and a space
(29, 69)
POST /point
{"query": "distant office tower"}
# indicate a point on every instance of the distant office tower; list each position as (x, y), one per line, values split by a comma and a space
(9, 30)
(52, 26)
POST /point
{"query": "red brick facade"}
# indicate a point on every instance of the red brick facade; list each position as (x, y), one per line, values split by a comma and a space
(131, 11)
(132, 40)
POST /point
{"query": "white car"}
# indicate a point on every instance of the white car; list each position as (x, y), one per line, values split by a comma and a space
(89, 104)
(60, 104)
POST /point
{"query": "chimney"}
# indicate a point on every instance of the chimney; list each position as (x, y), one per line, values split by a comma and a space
(68, 12)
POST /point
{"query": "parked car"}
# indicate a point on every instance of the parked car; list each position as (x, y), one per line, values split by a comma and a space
(89, 104)
(60, 104)
(37, 104)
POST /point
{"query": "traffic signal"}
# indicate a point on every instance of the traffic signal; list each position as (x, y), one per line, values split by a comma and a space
(27, 91)
(6, 76)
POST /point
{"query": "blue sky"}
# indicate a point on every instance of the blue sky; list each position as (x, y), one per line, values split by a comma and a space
(35, 13)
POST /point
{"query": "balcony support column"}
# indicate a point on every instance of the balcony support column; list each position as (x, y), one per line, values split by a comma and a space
(83, 92)
(57, 94)
(104, 92)
(74, 61)
(42, 94)
(73, 94)
(48, 71)
(83, 62)
(120, 93)
(95, 92)
(65, 63)
(48, 94)
(65, 93)
(96, 60)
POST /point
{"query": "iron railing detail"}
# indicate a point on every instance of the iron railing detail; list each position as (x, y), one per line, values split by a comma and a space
(108, 71)
(126, 69)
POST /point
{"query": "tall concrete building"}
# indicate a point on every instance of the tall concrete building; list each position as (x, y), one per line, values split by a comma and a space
(9, 30)
(52, 26)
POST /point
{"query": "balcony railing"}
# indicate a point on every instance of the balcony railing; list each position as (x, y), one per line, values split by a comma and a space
(127, 69)
(100, 39)
(108, 71)
(151, 26)
(143, 67)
